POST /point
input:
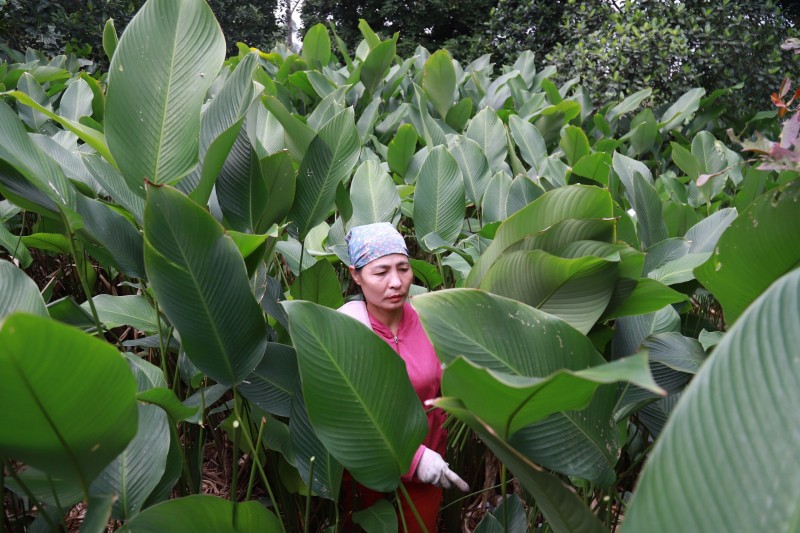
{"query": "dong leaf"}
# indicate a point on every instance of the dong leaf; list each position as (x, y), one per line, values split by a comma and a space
(401, 149)
(439, 81)
(329, 160)
(732, 402)
(509, 402)
(19, 151)
(133, 474)
(473, 165)
(373, 195)
(559, 205)
(575, 290)
(558, 503)
(187, 253)
(219, 127)
(71, 432)
(202, 512)
(371, 426)
(757, 248)
(166, 59)
(317, 46)
(439, 197)
(271, 384)
(18, 292)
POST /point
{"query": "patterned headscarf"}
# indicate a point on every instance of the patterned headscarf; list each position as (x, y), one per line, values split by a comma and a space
(369, 242)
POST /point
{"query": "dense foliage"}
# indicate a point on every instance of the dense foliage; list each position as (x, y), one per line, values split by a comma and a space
(431, 23)
(617, 48)
(607, 284)
(76, 26)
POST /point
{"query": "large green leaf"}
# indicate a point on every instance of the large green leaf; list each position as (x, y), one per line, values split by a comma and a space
(501, 334)
(317, 46)
(761, 245)
(529, 140)
(574, 143)
(19, 151)
(380, 517)
(575, 290)
(18, 292)
(114, 234)
(473, 165)
(507, 336)
(374, 67)
(13, 245)
(647, 296)
(373, 195)
(645, 201)
(70, 432)
(133, 475)
(271, 383)
(572, 202)
(727, 457)
(682, 110)
(329, 160)
(439, 81)
(201, 512)
(358, 395)
(305, 444)
(167, 58)
(254, 194)
(318, 284)
(488, 131)
(219, 127)
(128, 194)
(187, 254)
(133, 310)
(91, 136)
(509, 402)
(563, 511)
(439, 197)
(401, 149)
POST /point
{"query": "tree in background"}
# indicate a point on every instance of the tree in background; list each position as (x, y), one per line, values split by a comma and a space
(76, 26)
(619, 47)
(454, 24)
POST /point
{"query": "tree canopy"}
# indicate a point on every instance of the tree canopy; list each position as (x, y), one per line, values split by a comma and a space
(71, 26)
(619, 47)
(431, 23)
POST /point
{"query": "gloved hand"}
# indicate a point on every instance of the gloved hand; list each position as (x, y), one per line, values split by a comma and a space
(432, 469)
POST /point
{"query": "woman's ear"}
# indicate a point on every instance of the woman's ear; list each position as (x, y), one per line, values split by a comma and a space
(355, 274)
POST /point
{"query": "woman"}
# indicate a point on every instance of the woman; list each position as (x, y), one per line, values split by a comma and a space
(380, 267)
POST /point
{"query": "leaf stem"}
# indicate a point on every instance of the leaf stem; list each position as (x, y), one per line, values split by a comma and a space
(31, 496)
(257, 462)
(308, 498)
(253, 470)
(86, 290)
(413, 508)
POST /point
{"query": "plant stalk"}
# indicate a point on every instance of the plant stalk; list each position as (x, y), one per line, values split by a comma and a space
(258, 464)
(253, 470)
(413, 508)
(86, 289)
(31, 496)
(308, 498)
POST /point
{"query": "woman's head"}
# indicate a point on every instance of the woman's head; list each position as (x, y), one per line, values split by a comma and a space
(379, 265)
(371, 241)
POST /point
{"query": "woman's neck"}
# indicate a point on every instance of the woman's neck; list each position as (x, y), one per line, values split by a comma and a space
(390, 319)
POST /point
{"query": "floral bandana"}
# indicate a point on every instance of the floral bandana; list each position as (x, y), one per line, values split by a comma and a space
(369, 242)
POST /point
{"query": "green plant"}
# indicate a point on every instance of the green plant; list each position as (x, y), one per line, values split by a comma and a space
(187, 198)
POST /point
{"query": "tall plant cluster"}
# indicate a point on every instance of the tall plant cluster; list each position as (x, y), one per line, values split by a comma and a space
(606, 287)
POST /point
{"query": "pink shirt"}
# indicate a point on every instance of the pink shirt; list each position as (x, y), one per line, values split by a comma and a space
(424, 369)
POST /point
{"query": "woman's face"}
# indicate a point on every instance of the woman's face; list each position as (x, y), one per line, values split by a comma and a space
(385, 281)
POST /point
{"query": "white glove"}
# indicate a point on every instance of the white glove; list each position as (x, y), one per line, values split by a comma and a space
(432, 469)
